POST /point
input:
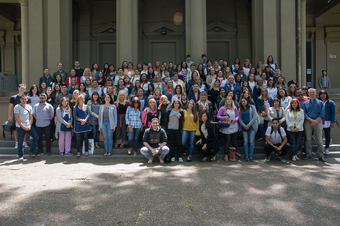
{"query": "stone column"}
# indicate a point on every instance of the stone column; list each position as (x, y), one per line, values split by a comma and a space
(36, 37)
(195, 29)
(303, 43)
(288, 39)
(265, 30)
(24, 41)
(127, 31)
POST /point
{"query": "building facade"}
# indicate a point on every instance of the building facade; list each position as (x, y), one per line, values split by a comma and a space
(302, 36)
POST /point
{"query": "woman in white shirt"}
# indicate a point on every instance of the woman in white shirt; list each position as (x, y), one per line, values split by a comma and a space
(295, 119)
(282, 95)
(272, 90)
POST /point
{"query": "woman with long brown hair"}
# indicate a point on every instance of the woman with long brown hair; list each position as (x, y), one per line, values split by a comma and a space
(134, 123)
(63, 130)
(190, 128)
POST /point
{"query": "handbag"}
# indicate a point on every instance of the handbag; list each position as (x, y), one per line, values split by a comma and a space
(8, 126)
(260, 119)
(91, 147)
(101, 137)
(224, 123)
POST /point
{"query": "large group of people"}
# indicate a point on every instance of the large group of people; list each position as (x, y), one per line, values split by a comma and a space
(171, 109)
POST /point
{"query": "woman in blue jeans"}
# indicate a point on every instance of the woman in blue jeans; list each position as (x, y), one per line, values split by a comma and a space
(190, 128)
(93, 106)
(295, 119)
(248, 122)
(133, 118)
(107, 122)
(81, 124)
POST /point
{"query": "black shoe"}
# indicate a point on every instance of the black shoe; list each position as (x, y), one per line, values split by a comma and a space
(322, 159)
(307, 157)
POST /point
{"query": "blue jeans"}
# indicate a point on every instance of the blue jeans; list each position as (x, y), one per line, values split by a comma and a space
(134, 136)
(95, 133)
(108, 135)
(21, 134)
(295, 140)
(263, 129)
(147, 153)
(80, 137)
(248, 138)
(191, 135)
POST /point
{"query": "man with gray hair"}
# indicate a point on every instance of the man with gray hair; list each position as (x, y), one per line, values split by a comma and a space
(43, 113)
(314, 111)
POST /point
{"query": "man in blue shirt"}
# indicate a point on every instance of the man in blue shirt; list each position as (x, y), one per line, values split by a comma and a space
(314, 113)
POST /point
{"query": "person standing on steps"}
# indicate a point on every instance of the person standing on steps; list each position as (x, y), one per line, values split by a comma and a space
(16, 99)
(24, 120)
(43, 113)
(314, 111)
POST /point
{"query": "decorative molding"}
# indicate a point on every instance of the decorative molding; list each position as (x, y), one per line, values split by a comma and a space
(225, 29)
(154, 28)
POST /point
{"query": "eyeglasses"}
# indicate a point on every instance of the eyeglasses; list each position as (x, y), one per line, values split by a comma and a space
(41, 98)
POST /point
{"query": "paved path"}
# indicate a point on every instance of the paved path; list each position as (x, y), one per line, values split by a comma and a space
(99, 191)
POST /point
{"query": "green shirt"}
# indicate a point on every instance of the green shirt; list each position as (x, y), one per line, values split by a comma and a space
(63, 75)
(49, 81)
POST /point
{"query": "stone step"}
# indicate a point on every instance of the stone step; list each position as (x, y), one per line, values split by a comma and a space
(141, 159)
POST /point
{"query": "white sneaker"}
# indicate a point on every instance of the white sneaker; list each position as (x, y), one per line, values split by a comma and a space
(173, 159)
(268, 158)
(180, 159)
(327, 152)
(25, 145)
(16, 145)
(293, 158)
(21, 158)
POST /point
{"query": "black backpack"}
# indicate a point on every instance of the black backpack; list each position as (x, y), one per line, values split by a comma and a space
(167, 158)
(8, 126)
(279, 131)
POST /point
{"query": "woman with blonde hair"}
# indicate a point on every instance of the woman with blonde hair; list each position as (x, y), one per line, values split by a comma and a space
(158, 83)
(121, 105)
(149, 113)
(86, 74)
(229, 114)
(204, 105)
(157, 67)
(81, 124)
(162, 108)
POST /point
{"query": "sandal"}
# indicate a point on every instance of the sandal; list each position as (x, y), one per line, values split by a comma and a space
(122, 146)
(116, 146)
(189, 159)
(226, 158)
(96, 145)
(109, 154)
(214, 158)
(86, 153)
(78, 154)
(135, 154)
(105, 154)
(205, 159)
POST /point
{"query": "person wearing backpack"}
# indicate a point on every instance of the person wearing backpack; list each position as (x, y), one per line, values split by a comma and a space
(276, 140)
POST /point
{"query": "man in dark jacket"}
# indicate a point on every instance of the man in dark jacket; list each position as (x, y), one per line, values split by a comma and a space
(155, 140)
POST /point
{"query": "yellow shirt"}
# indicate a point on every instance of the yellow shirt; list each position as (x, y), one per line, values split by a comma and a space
(189, 124)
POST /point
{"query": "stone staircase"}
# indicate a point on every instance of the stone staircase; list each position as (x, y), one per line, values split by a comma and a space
(7, 149)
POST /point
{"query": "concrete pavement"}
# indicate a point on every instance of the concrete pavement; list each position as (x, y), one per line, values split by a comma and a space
(101, 191)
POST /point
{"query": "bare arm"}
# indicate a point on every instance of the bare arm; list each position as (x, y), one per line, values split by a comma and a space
(10, 108)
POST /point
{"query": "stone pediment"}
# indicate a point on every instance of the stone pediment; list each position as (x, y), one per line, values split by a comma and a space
(156, 28)
(224, 28)
(104, 28)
